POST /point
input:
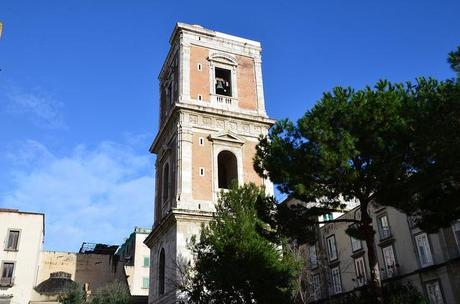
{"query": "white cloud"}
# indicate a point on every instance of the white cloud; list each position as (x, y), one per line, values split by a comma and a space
(40, 107)
(94, 195)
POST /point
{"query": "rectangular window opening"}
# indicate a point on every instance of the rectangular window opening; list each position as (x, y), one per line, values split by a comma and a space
(316, 287)
(384, 227)
(13, 240)
(456, 230)
(390, 261)
(424, 250)
(360, 271)
(433, 290)
(313, 256)
(331, 248)
(336, 280)
(223, 82)
(356, 244)
(7, 274)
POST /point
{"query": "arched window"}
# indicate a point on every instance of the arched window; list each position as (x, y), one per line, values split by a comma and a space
(227, 168)
(161, 273)
(165, 191)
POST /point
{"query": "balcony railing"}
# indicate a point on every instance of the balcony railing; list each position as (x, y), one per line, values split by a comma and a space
(224, 102)
(390, 272)
(6, 282)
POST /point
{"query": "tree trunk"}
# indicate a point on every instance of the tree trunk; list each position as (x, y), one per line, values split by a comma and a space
(369, 237)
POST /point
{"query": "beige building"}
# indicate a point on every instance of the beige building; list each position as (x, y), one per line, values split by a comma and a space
(212, 111)
(338, 263)
(90, 270)
(135, 256)
(30, 275)
(22, 234)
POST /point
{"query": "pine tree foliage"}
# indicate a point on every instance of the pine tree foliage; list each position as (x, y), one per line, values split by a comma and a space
(237, 258)
(388, 145)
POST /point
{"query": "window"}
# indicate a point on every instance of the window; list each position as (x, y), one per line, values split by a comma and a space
(424, 251)
(165, 193)
(331, 248)
(13, 240)
(384, 227)
(223, 82)
(355, 244)
(199, 66)
(390, 261)
(328, 217)
(312, 256)
(170, 93)
(200, 97)
(456, 230)
(360, 269)
(145, 283)
(161, 273)
(227, 168)
(201, 171)
(201, 141)
(7, 274)
(146, 262)
(433, 290)
(336, 280)
(316, 287)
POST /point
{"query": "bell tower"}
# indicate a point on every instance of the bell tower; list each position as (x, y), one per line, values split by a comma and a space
(212, 111)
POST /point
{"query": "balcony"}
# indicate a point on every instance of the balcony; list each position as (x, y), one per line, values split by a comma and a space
(390, 271)
(224, 102)
(6, 282)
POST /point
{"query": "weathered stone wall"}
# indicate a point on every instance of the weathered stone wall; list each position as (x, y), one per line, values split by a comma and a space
(95, 269)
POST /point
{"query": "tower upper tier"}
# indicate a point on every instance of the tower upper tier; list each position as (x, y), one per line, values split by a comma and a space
(211, 70)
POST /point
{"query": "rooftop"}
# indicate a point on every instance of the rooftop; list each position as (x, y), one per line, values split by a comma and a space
(204, 31)
(8, 210)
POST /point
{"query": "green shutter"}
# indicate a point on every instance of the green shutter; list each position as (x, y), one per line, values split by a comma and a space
(145, 283)
(146, 262)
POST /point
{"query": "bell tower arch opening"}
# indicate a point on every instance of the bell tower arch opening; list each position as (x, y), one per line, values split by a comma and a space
(227, 169)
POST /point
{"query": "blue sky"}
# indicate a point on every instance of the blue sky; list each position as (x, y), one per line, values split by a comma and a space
(79, 89)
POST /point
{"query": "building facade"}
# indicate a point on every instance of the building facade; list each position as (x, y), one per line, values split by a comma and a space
(22, 234)
(89, 271)
(212, 111)
(135, 257)
(338, 263)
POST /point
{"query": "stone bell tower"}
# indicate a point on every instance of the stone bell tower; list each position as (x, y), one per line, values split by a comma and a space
(212, 111)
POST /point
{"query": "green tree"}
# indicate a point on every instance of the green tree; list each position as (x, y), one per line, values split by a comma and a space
(113, 293)
(454, 61)
(394, 144)
(74, 294)
(234, 261)
(429, 185)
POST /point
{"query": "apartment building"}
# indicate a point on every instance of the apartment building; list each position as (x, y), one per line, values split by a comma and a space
(135, 256)
(22, 234)
(338, 263)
